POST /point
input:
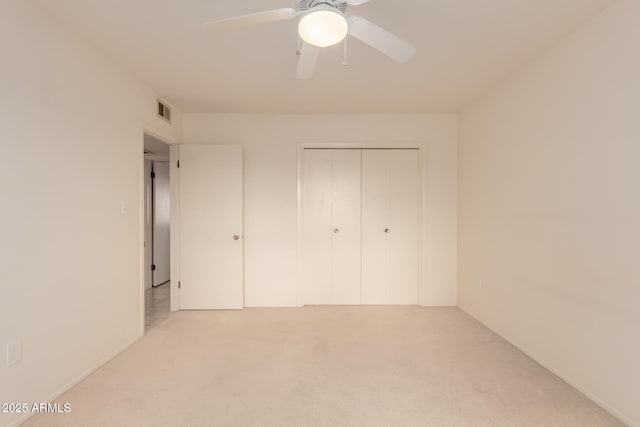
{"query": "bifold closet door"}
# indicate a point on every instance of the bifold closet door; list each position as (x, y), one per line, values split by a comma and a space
(390, 226)
(331, 222)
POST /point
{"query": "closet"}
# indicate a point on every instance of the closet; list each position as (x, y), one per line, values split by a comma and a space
(360, 226)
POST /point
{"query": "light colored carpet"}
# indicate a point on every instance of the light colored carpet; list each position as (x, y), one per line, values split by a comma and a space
(324, 366)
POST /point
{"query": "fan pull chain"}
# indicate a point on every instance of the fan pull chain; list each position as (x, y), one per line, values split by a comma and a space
(345, 63)
(299, 51)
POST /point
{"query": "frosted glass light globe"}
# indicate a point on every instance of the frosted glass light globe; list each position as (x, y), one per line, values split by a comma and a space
(323, 28)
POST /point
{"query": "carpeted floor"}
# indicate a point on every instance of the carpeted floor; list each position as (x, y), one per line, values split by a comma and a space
(324, 366)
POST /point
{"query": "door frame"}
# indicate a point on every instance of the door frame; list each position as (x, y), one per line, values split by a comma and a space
(173, 177)
(420, 146)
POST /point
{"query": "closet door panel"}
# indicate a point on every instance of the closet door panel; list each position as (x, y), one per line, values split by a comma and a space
(346, 232)
(331, 227)
(404, 225)
(375, 218)
(316, 226)
(390, 226)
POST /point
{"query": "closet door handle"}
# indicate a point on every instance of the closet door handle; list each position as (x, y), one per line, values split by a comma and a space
(387, 230)
(236, 237)
(336, 230)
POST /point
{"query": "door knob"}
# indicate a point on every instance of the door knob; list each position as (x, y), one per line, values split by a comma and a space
(386, 230)
(336, 230)
(236, 237)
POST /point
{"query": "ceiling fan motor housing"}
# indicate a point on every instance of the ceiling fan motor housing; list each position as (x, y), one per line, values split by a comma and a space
(305, 5)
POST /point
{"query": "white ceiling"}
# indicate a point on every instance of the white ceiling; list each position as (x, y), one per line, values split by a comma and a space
(464, 47)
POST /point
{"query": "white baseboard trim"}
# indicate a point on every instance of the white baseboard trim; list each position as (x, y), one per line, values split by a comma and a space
(75, 382)
(594, 397)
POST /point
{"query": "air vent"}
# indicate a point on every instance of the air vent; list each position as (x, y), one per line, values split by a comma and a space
(164, 111)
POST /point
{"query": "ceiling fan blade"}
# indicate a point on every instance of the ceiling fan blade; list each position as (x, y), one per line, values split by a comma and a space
(307, 61)
(380, 39)
(252, 19)
(356, 2)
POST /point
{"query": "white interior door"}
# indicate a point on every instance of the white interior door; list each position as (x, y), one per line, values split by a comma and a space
(390, 226)
(331, 210)
(211, 227)
(148, 225)
(161, 223)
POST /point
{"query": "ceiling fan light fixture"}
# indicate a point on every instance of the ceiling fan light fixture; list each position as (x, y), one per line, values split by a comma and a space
(323, 28)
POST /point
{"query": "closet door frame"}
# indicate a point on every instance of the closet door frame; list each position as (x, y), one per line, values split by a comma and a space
(420, 146)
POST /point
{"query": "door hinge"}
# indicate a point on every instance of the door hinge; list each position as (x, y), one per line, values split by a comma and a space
(179, 285)
(178, 163)
(153, 174)
(153, 267)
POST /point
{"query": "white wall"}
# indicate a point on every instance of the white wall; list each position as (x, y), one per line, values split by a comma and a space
(270, 160)
(71, 135)
(550, 209)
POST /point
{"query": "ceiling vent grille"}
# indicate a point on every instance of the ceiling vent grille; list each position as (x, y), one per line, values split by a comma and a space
(164, 111)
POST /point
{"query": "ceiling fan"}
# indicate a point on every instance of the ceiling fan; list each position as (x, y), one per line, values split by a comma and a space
(324, 24)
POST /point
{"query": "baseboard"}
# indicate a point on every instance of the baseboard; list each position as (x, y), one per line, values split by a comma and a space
(594, 397)
(75, 382)
(272, 306)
